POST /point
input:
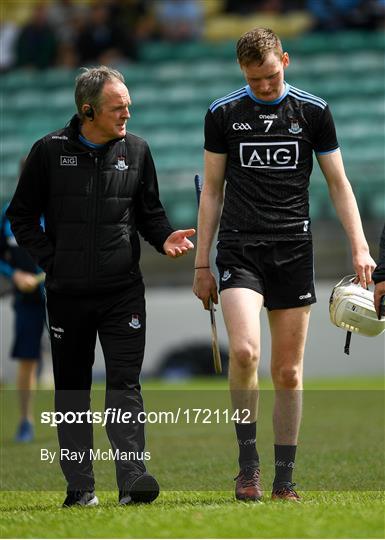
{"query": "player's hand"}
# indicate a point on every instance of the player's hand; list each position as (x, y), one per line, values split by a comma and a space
(205, 286)
(379, 292)
(363, 265)
(178, 244)
(25, 281)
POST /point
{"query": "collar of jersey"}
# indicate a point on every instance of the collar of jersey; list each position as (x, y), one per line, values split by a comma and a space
(276, 101)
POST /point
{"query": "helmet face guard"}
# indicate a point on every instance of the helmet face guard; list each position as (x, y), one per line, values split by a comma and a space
(351, 308)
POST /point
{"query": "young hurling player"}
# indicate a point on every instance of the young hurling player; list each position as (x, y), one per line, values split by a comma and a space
(260, 139)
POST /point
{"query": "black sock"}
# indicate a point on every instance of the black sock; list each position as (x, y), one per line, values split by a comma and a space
(246, 435)
(284, 463)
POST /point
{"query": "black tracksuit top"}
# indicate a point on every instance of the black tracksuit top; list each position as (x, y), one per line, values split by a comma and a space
(94, 204)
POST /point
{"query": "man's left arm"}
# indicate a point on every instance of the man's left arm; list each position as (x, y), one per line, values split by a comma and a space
(151, 218)
(345, 203)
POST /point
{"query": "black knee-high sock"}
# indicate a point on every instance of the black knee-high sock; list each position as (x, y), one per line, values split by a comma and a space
(246, 435)
(284, 463)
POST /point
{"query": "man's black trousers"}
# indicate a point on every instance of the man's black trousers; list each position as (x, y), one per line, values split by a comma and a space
(119, 319)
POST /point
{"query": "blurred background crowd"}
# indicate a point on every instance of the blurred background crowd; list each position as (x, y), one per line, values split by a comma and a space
(71, 33)
(177, 56)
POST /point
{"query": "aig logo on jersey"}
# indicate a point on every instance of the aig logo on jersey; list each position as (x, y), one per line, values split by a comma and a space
(271, 155)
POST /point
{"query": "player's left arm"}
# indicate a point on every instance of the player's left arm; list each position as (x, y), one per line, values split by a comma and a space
(345, 203)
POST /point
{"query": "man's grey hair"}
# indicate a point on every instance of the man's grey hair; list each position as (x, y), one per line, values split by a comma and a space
(89, 86)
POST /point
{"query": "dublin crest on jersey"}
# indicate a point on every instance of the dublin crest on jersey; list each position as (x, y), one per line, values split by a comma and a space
(295, 129)
(121, 165)
(135, 323)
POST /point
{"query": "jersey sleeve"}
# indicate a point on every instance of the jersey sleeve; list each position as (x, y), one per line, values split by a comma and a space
(325, 137)
(214, 135)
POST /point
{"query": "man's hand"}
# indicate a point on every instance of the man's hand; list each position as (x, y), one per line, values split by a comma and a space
(178, 244)
(379, 292)
(364, 265)
(205, 286)
(25, 281)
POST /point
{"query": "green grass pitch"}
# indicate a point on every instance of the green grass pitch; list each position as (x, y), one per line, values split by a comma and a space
(340, 472)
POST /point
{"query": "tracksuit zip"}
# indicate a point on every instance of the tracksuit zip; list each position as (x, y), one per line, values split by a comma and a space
(91, 247)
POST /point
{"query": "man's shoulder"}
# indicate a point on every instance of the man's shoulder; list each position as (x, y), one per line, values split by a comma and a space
(134, 140)
(54, 137)
(69, 131)
(238, 94)
(303, 96)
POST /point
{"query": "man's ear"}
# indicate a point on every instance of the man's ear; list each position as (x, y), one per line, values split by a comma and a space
(285, 60)
(88, 111)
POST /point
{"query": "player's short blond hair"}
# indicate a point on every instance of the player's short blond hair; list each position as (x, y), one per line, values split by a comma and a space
(256, 44)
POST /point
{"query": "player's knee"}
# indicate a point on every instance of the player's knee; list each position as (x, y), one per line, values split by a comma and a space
(246, 356)
(287, 377)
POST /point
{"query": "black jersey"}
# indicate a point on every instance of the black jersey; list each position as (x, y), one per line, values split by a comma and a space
(270, 158)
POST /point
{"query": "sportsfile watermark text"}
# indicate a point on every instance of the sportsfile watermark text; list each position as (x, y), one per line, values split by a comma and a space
(118, 416)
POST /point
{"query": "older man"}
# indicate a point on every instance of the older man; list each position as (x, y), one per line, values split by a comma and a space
(96, 186)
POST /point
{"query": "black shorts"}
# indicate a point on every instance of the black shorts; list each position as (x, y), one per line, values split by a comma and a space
(282, 271)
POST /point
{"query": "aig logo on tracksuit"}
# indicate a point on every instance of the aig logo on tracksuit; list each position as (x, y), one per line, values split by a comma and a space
(68, 161)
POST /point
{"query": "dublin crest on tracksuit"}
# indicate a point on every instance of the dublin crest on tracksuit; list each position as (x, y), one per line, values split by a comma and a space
(135, 323)
(121, 165)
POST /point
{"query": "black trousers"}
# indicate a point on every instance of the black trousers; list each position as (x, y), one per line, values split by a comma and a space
(119, 319)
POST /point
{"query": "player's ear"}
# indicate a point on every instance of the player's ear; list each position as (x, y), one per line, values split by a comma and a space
(285, 59)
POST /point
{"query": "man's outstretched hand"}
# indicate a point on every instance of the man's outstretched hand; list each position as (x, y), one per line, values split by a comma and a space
(178, 244)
